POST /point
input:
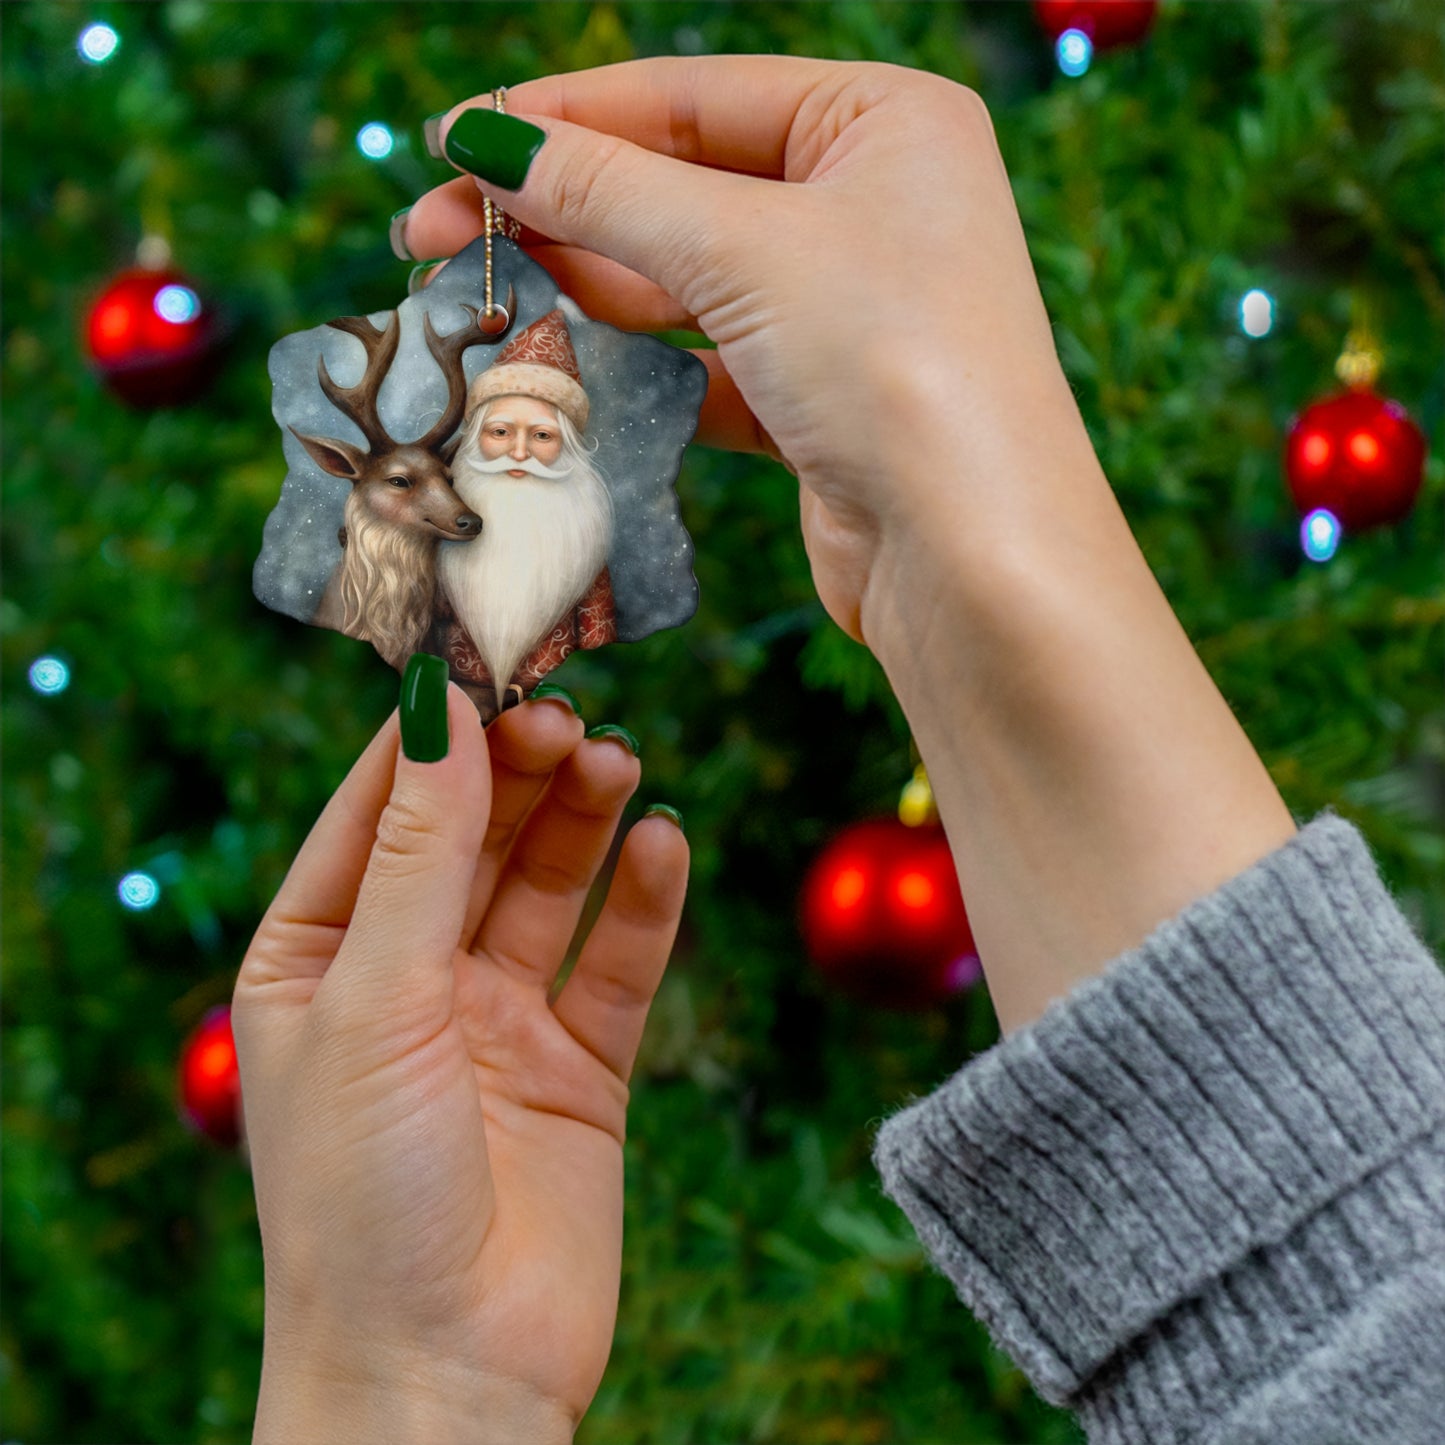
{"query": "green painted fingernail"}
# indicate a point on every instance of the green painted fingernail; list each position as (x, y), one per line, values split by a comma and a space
(615, 730)
(416, 279)
(663, 810)
(550, 689)
(424, 737)
(498, 148)
(431, 133)
(396, 234)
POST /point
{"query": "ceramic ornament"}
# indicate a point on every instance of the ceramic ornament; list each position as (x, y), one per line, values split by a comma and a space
(495, 489)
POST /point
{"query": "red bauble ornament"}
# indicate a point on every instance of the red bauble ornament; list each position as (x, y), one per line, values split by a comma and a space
(883, 917)
(1107, 23)
(152, 338)
(1357, 455)
(210, 1081)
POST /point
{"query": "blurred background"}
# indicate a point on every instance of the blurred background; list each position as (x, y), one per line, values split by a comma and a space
(1218, 196)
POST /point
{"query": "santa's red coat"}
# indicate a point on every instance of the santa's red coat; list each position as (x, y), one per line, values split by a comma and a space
(590, 622)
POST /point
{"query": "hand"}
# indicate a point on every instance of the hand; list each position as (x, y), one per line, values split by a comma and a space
(878, 309)
(847, 235)
(437, 1149)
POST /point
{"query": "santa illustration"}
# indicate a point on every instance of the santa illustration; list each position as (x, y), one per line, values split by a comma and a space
(516, 600)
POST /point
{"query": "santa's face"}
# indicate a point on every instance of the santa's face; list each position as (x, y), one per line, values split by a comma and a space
(523, 429)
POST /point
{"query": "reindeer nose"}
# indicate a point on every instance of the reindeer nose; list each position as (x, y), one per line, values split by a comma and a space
(469, 523)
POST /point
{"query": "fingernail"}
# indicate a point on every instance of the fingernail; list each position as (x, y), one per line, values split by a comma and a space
(431, 133)
(550, 689)
(498, 148)
(417, 279)
(396, 233)
(615, 730)
(662, 810)
(424, 736)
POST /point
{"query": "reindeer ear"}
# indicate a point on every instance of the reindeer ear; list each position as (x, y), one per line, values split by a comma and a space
(339, 458)
(449, 449)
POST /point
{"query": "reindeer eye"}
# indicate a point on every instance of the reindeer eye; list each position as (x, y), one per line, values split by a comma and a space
(399, 481)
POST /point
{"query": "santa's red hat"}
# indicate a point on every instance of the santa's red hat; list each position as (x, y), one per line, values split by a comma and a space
(536, 362)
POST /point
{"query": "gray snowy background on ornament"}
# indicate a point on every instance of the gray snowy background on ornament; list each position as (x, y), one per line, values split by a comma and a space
(644, 397)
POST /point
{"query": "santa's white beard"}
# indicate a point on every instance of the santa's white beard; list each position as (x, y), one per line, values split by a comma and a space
(541, 547)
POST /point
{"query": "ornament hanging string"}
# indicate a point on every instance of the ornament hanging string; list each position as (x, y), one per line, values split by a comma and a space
(496, 221)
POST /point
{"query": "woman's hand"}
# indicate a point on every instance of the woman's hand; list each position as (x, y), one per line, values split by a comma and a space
(877, 320)
(847, 235)
(437, 1148)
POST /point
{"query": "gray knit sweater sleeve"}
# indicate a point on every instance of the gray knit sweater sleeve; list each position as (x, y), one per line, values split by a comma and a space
(1202, 1199)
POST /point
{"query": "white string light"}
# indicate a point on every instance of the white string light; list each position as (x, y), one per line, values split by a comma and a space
(375, 141)
(97, 43)
(1074, 51)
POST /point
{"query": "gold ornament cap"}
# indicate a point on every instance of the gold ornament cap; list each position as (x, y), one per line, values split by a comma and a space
(1360, 362)
(915, 804)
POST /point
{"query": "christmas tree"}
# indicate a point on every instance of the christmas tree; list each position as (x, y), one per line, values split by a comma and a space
(162, 728)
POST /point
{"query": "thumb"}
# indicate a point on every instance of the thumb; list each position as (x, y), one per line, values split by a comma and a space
(664, 218)
(412, 902)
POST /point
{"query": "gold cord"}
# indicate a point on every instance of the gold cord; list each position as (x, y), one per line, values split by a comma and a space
(494, 219)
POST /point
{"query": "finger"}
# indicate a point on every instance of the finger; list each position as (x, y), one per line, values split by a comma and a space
(396, 959)
(725, 419)
(300, 931)
(737, 113)
(610, 292)
(543, 886)
(526, 744)
(449, 218)
(654, 215)
(605, 1000)
(445, 219)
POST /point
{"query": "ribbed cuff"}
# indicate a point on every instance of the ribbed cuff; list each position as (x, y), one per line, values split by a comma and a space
(1202, 1155)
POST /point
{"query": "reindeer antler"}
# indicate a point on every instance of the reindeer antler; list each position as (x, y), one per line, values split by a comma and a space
(448, 351)
(359, 401)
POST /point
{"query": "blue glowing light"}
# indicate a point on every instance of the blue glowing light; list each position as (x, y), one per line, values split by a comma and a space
(138, 891)
(1319, 535)
(1074, 52)
(49, 675)
(375, 141)
(97, 44)
(177, 304)
(1256, 313)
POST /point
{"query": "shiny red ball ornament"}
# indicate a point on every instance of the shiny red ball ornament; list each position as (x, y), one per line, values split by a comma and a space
(883, 918)
(152, 338)
(210, 1081)
(1357, 455)
(1107, 23)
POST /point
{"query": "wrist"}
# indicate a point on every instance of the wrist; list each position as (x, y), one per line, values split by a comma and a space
(1092, 779)
(395, 1396)
(994, 470)
(982, 534)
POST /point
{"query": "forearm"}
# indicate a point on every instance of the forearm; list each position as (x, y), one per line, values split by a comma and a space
(1092, 779)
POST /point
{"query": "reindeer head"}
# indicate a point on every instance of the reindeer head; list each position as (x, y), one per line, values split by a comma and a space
(406, 484)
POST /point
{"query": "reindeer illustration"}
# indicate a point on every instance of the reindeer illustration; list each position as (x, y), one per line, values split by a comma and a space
(401, 501)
